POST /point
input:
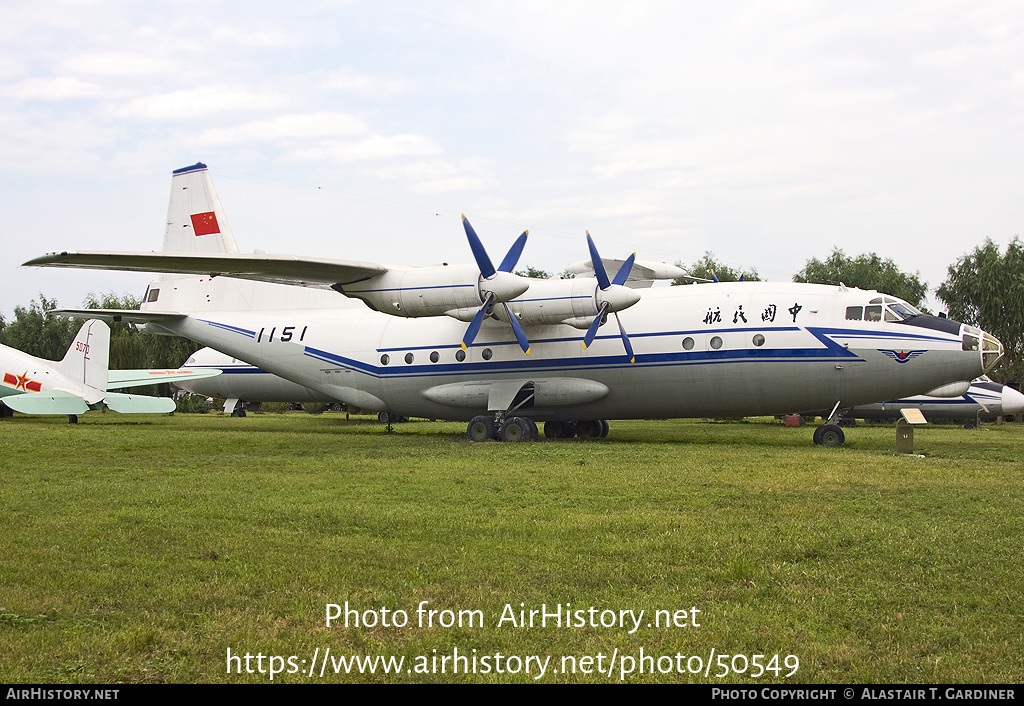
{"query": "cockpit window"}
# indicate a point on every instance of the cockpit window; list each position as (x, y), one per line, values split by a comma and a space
(152, 296)
(854, 313)
(903, 310)
(873, 313)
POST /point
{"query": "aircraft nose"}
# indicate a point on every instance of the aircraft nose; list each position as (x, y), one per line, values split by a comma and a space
(1013, 401)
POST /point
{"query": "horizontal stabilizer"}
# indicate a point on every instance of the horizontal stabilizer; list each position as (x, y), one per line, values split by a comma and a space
(47, 403)
(128, 316)
(280, 269)
(138, 404)
(133, 378)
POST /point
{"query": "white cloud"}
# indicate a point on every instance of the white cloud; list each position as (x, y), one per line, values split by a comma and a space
(202, 101)
(57, 88)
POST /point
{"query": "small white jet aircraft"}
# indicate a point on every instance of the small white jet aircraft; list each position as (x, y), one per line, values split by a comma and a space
(983, 399)
(81, 381)
(480, 344)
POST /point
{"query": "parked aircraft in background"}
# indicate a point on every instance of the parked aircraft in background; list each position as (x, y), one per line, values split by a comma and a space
(81, 381)
(984, 399)
(481, 344)
(240, 384)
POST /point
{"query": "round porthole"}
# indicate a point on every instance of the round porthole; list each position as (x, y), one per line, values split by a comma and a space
(460, 355)
(385, 359)
(688, 344)
(758, 339)
(486, 353)
(409, 357)
(434, 357)
(716, 342)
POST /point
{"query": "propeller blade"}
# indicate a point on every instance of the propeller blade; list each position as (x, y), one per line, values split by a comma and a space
(625, 340)
(482, 261)
(524, 343)
(512, 257)
(592, 331)
(474, 325)
(595, 260)
(623, 273)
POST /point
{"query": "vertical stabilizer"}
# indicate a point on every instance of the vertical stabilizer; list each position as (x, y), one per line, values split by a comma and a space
(85, 363)
(195, 219)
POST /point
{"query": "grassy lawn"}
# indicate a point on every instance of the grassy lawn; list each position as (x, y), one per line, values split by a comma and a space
(142, 549)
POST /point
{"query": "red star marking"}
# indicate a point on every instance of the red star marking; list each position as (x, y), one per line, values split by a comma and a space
(22, 380)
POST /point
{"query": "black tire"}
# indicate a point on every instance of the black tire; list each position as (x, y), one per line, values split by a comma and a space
(831, 435)
(605, 428)
(817, 435)
(554, 430)
(72, 419)
(589, 429)
(481, 428)
(516, 429)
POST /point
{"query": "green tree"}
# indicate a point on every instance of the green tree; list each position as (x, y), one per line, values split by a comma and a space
(985, 288)
(867, 271)
(36, 332)
(534, 273)
(709, 268)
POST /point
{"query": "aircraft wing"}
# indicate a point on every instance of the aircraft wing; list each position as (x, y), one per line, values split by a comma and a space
(138, 404)
(281, 269)
(117, 379)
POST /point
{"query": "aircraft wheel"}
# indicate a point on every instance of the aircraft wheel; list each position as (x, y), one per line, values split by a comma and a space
(385, 418)
(534, 431)
(72, 419)
(830, 435)
(589, 429)
(481, 428)
(605, 427)
(516, 429)
(338, 407)
(5, 411)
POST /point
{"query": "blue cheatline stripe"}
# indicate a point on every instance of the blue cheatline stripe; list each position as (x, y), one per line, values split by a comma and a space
(232, 329)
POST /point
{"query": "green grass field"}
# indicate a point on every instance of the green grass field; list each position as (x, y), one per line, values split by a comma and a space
(144, 549)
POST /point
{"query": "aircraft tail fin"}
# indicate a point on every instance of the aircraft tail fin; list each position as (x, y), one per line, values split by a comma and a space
(86, 361)
(195, 219)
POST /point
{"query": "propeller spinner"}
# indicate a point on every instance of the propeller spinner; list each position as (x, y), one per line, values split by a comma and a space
(496, 285)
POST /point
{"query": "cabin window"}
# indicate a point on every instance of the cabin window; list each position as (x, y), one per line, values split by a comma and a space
(716, 342)
(873, 313)
(153, 294)
(486, 354)
(460, 355)
(688, 343)
(854, 313)
(434, 357)
(758, 340)
(385, 359)
(409, 358)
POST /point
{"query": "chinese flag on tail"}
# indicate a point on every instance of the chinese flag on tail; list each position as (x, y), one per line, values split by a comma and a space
(205, 223)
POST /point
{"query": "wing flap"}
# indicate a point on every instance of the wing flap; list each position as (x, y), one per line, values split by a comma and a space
(279, 269)
(47, 403)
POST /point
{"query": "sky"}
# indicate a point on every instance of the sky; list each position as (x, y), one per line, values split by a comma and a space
(765, 132)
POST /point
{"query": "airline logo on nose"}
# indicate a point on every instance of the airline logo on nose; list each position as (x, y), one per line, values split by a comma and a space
(900, 356)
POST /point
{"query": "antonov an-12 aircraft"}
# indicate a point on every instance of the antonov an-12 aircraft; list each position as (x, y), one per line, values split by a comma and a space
(481, 344)
(81, 381)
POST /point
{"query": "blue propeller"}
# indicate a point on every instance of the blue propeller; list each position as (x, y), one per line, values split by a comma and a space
(496, 285)
(605, 285)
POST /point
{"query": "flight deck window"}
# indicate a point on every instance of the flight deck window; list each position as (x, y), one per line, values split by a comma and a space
(873, 313)
(153, 294)
(970, 342)
(854, 313)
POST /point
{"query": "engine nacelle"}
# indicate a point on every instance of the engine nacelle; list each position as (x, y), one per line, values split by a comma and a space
(573, 301)
(953, 389)
(433, 291)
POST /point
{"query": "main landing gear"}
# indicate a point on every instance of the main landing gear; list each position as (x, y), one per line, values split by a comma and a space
(495, 427)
